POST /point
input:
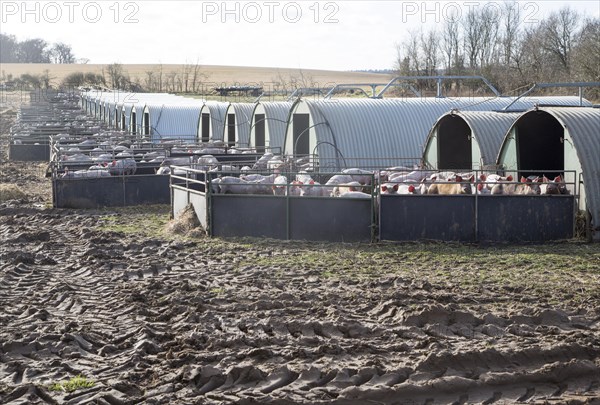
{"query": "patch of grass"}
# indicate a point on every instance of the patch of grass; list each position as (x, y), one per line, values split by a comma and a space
(556, 272)
(145, 221)
(74, 384)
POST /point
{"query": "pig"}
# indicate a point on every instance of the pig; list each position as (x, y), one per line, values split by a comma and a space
(355, 194)
(389, 188)
(451, 187)
(122, 167)
(280, 186)
(313, 189)
(553, 187)
(364, 177)
(341, 189)
(528, 186)
(414, 176)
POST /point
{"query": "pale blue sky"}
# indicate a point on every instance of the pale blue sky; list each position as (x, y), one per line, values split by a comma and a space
(336, 35)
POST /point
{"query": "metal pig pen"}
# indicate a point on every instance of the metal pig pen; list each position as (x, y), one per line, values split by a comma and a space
(143, 188)
(465, 218)
(57, 113)
(268, 216)
(476, 217)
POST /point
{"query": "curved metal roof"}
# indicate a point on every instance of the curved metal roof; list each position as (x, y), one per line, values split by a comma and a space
(243, 120)
(583, 126)
(217, 110)
(276, 116)
(178, 120)
(376, 129)
(487, 127)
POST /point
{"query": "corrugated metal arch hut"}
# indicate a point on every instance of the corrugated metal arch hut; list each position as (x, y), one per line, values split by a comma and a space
(172, 120)
(238, 118)
(467, 140)
(372, 133)
(269, 122)
(552, 140)
(126, 110)
(211, 125)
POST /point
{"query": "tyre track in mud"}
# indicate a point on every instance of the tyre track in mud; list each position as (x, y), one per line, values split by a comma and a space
(158, 321)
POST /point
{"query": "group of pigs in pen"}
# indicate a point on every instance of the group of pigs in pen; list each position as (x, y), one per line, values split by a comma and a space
(108, 159)
(360, 183)
(350, 183)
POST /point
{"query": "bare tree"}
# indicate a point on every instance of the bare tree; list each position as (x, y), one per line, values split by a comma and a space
(489, 27)
(430, 49)
(149, 80)
(116, 75)
(472, 37)
(197, 76)
(450, 43)
(511, 21)
(62, 53)
(170, 81)
(9, 48)
(160, 78)
(559, 30)
(586, 53)
(33, 51)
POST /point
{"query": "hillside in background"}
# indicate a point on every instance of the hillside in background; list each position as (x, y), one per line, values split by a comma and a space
(207, 76)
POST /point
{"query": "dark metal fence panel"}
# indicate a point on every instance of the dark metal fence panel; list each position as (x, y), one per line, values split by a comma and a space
(330, 219)
(88, 193)
(243, 215)
(29, 153)
(142, 190)
(525, 218)
(111, 191)
(415, 217)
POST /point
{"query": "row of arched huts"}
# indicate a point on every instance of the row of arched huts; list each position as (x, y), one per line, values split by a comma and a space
(353, 132)
(536, 134)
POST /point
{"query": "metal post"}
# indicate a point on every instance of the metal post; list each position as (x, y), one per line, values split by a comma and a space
(476, 206)
(208, 194)
(287, 209)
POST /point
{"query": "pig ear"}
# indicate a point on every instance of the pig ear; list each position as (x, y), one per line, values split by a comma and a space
(480, 186)
(383, 188)
(395, 187)
(472, 179)
(311, 182)
(545, 179)
(411, 189)
(536, 180)
(558, 179)
(459, 179)
(509, 178)
(523, 179)
(483, 177)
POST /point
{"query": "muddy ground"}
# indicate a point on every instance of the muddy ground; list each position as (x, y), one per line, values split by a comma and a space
(147, 312)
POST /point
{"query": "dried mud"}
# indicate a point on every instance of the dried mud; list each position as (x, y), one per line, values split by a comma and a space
(152, 317)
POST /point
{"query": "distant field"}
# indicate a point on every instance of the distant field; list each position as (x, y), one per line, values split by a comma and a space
(215, 75)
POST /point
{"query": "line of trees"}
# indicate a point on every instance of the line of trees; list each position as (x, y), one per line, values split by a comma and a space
(501, 44)
(34, 50)
(189, 78)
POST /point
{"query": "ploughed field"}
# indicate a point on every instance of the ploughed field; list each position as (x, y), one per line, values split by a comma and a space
(124, 306)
